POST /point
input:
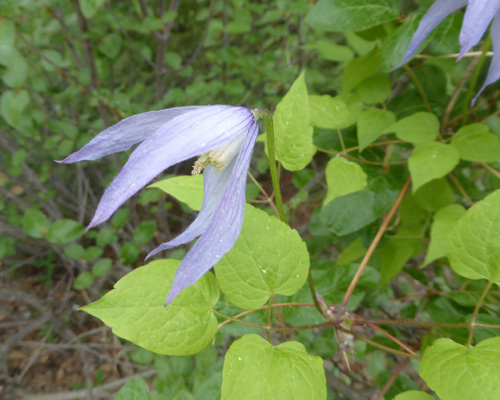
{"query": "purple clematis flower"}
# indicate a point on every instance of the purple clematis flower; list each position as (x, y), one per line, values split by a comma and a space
(477, 18)
(224, 135)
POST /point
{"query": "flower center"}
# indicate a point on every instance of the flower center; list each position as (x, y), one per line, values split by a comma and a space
(220, 157)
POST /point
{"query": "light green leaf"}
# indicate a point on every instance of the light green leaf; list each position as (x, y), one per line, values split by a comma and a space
(255, 369)
(12, 105)
(375, 89)
(473, 246)
(136, 312)
(421, 127)
(371, 125)
(327, 112)
(359, 70)
(35, 223)
(351, 15)
(64, 231)
(413, 395)
(330, 51)
(292, 130)
(134, 389)
(343, 177)
(187, 188)
(475, 142)
(455, 372)
(444, 221)
(431, 161)
(268, 258)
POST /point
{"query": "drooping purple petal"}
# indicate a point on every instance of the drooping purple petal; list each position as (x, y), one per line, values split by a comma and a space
(126, 133)
(432, 18)
(224, 227)
(494, 70)
(183, 137)
(477, 18)
(214, 183)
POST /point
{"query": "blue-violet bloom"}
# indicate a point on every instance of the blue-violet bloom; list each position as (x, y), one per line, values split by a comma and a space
(224, 135)
(477, 18)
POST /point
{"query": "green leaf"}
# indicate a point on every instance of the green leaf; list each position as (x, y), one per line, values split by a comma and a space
(111, 45)
(12, 105)
(120, 218)
(74, 251)
(351, 253)
(35, 223)
(145, 232)
(473, 246)
(396, 44)
(93, 252)
(90, 7)
(255, 369)
(64, 231)
(101, 267)
(293, 132)
(343, 177)
(136, 312)
(83, 281)
(187, 188)
(413, 395)
(129, 252)
(454, 371)
(375, 89)
(352, 212)
(434, 195)
(330, 51)
(444, 221)
(106, 235)
(421, 127)
(396, 252)
(475, 142)
(268, 258)
(17, 71)
(431, 161)
(359, 70)
(351, 15)
(371, 125)
(7, 32)
(327, 112)
(134, 389)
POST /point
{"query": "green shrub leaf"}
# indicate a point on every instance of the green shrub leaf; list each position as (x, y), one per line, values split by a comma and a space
(454, 371)
(255, 369)
(136, 312)
(473, 246)
(268, 258)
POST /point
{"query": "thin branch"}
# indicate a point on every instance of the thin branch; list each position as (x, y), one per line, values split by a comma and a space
(375, 241)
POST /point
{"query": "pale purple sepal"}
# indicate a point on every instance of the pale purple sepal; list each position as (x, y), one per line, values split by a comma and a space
(125, 134)
(477, 18)
(214, 183)
(494, 70)
(436, 13)
(224, 227)
(183, 137)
